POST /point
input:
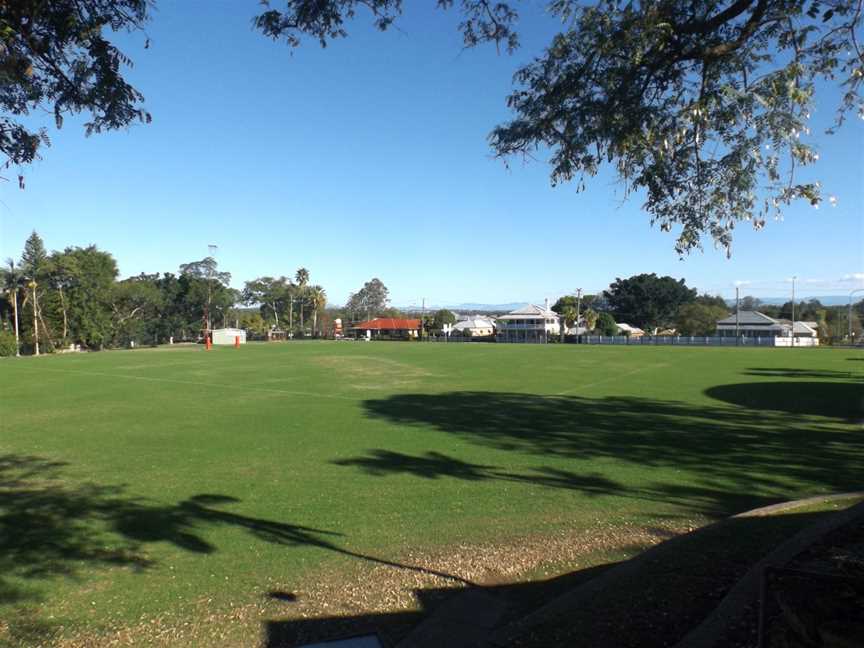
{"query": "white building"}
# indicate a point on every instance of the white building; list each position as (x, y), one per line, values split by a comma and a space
(528, 324)
(475, 326)
(752, 324)
(630, 331)
(228, 336)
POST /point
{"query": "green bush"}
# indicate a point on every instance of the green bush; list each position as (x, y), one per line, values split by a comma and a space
(7, 344)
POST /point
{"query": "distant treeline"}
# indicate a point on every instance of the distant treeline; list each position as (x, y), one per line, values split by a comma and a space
(51, 301)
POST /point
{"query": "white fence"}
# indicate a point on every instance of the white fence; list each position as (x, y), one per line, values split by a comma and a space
(698, 340)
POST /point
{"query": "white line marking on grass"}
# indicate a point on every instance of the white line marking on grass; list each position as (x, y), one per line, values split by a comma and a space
(197, 383)
(610, 379)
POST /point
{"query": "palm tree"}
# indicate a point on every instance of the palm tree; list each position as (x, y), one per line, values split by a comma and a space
(12, 279)
(302, 278)
(318, 300)
(570, 316)
(590, 318)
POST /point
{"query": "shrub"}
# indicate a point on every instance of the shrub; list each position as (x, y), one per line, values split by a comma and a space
(7, 344)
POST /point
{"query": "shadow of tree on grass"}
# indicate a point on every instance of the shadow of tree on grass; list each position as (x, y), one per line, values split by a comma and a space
(434, 465)
(782, 436)
(51, 528)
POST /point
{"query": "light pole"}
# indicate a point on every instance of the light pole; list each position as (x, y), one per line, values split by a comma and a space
(849, 317)
(578, 305)
(793, 309)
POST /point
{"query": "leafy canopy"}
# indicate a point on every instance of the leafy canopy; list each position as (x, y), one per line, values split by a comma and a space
(699, 318)
(648, 301)
(55, 58)
(702, 107)
(371, 299)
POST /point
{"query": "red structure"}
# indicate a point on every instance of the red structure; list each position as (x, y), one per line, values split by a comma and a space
(388, 327)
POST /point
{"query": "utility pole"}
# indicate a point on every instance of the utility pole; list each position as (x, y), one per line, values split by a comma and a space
(793, 310)
(578, 306)
(291, 313)
(422, 319)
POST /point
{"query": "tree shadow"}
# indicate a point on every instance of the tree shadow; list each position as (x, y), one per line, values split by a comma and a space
(823, 374)
(737, 457)
(435, 465)
(651, 602)
(843, 400)
(50, 528)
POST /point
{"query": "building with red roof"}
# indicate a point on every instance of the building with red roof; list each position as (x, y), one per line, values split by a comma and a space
(388, 327)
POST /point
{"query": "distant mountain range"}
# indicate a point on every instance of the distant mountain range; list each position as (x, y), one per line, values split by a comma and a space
(827, 300)
(459, 308)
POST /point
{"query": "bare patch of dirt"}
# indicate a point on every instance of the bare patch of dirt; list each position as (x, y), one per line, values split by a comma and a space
(352, 593)
(370, 372)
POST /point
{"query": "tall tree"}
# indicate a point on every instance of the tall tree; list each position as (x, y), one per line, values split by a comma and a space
(318, 300)
(206, 273)
(301, 293)
(35, 266)
(12, 279)
(698, 318)
(442, 317)
(271, 294)
(590, 316)
(648, 301)
(89, 293)
(370, 300)
(606, 324)
(136, 306)
(569, 315)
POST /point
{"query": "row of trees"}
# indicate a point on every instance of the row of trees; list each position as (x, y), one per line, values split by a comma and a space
(73, 297)
(284, 303)
(50, 301)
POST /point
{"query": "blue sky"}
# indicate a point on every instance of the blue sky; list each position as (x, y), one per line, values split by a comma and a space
(369, 158)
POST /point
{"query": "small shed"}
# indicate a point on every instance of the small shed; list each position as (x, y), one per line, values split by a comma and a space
(228, 336)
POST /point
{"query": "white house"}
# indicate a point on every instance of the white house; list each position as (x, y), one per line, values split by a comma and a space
(752, 324)
(528, 324)
(475, 326)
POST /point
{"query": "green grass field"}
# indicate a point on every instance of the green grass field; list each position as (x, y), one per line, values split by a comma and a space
(169, 486)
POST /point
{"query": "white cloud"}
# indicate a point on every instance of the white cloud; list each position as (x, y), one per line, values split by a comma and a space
(853, 277)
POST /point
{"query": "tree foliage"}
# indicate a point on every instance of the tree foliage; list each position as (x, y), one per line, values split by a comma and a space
(271, 294)
(606, 324)
(703, 107)
(699, 318)
(442, 317)
(648, 301)
(55, 58)
(371, 299)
